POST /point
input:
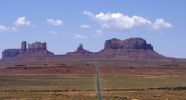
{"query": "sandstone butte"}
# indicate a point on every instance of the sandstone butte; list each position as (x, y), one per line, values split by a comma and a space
(114, 49)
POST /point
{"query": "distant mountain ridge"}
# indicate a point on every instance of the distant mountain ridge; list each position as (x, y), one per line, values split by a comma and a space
(132, 48)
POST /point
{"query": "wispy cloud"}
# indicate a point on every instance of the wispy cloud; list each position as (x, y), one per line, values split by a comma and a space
(55, 22)
(160, 23)
(53, 32)
(22, 21)
(98, 33)
(7, 29)
(87, 13)
(79, 36)
(121, 21)
(85, 26)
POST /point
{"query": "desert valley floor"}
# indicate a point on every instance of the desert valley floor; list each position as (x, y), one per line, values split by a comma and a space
(75, 80)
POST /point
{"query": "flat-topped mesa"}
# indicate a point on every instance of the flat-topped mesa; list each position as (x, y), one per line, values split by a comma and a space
(132, 48)
(131, 43)
(9, 53)
(36, 47)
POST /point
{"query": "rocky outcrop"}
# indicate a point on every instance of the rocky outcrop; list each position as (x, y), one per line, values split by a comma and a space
(80, 53)
(132, 48)
(36, 49)
(9, 53)
(23, 46)
(80, 50)
(132, 43)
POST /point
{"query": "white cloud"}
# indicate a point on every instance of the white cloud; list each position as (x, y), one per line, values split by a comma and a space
(88, 13)
(3, 28)
(98, 33)
(85, 26)
(160, 23)
(7, 29)
(53, 32)
(121, 21)
(79, 36)
(22, 21)
(54, 22)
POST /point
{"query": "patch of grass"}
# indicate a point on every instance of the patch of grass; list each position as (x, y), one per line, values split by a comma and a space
(140, 82)
(81, 87)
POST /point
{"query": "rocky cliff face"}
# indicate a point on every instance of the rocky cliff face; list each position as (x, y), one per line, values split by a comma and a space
(8, 53)
(80, 48)
(132, 43)
(34, 49)
(115, 49)
(132, 48)
(23, 46)
(80, 51)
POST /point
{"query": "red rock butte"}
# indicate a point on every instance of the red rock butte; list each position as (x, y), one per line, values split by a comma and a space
(114, 49)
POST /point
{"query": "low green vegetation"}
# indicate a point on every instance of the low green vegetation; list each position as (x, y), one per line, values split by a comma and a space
(75, 80)
(82, 87)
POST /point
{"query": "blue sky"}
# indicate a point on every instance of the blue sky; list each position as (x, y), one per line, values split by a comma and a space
(63, 24)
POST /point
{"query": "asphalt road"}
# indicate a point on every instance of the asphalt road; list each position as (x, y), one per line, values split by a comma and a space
(98, 89)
